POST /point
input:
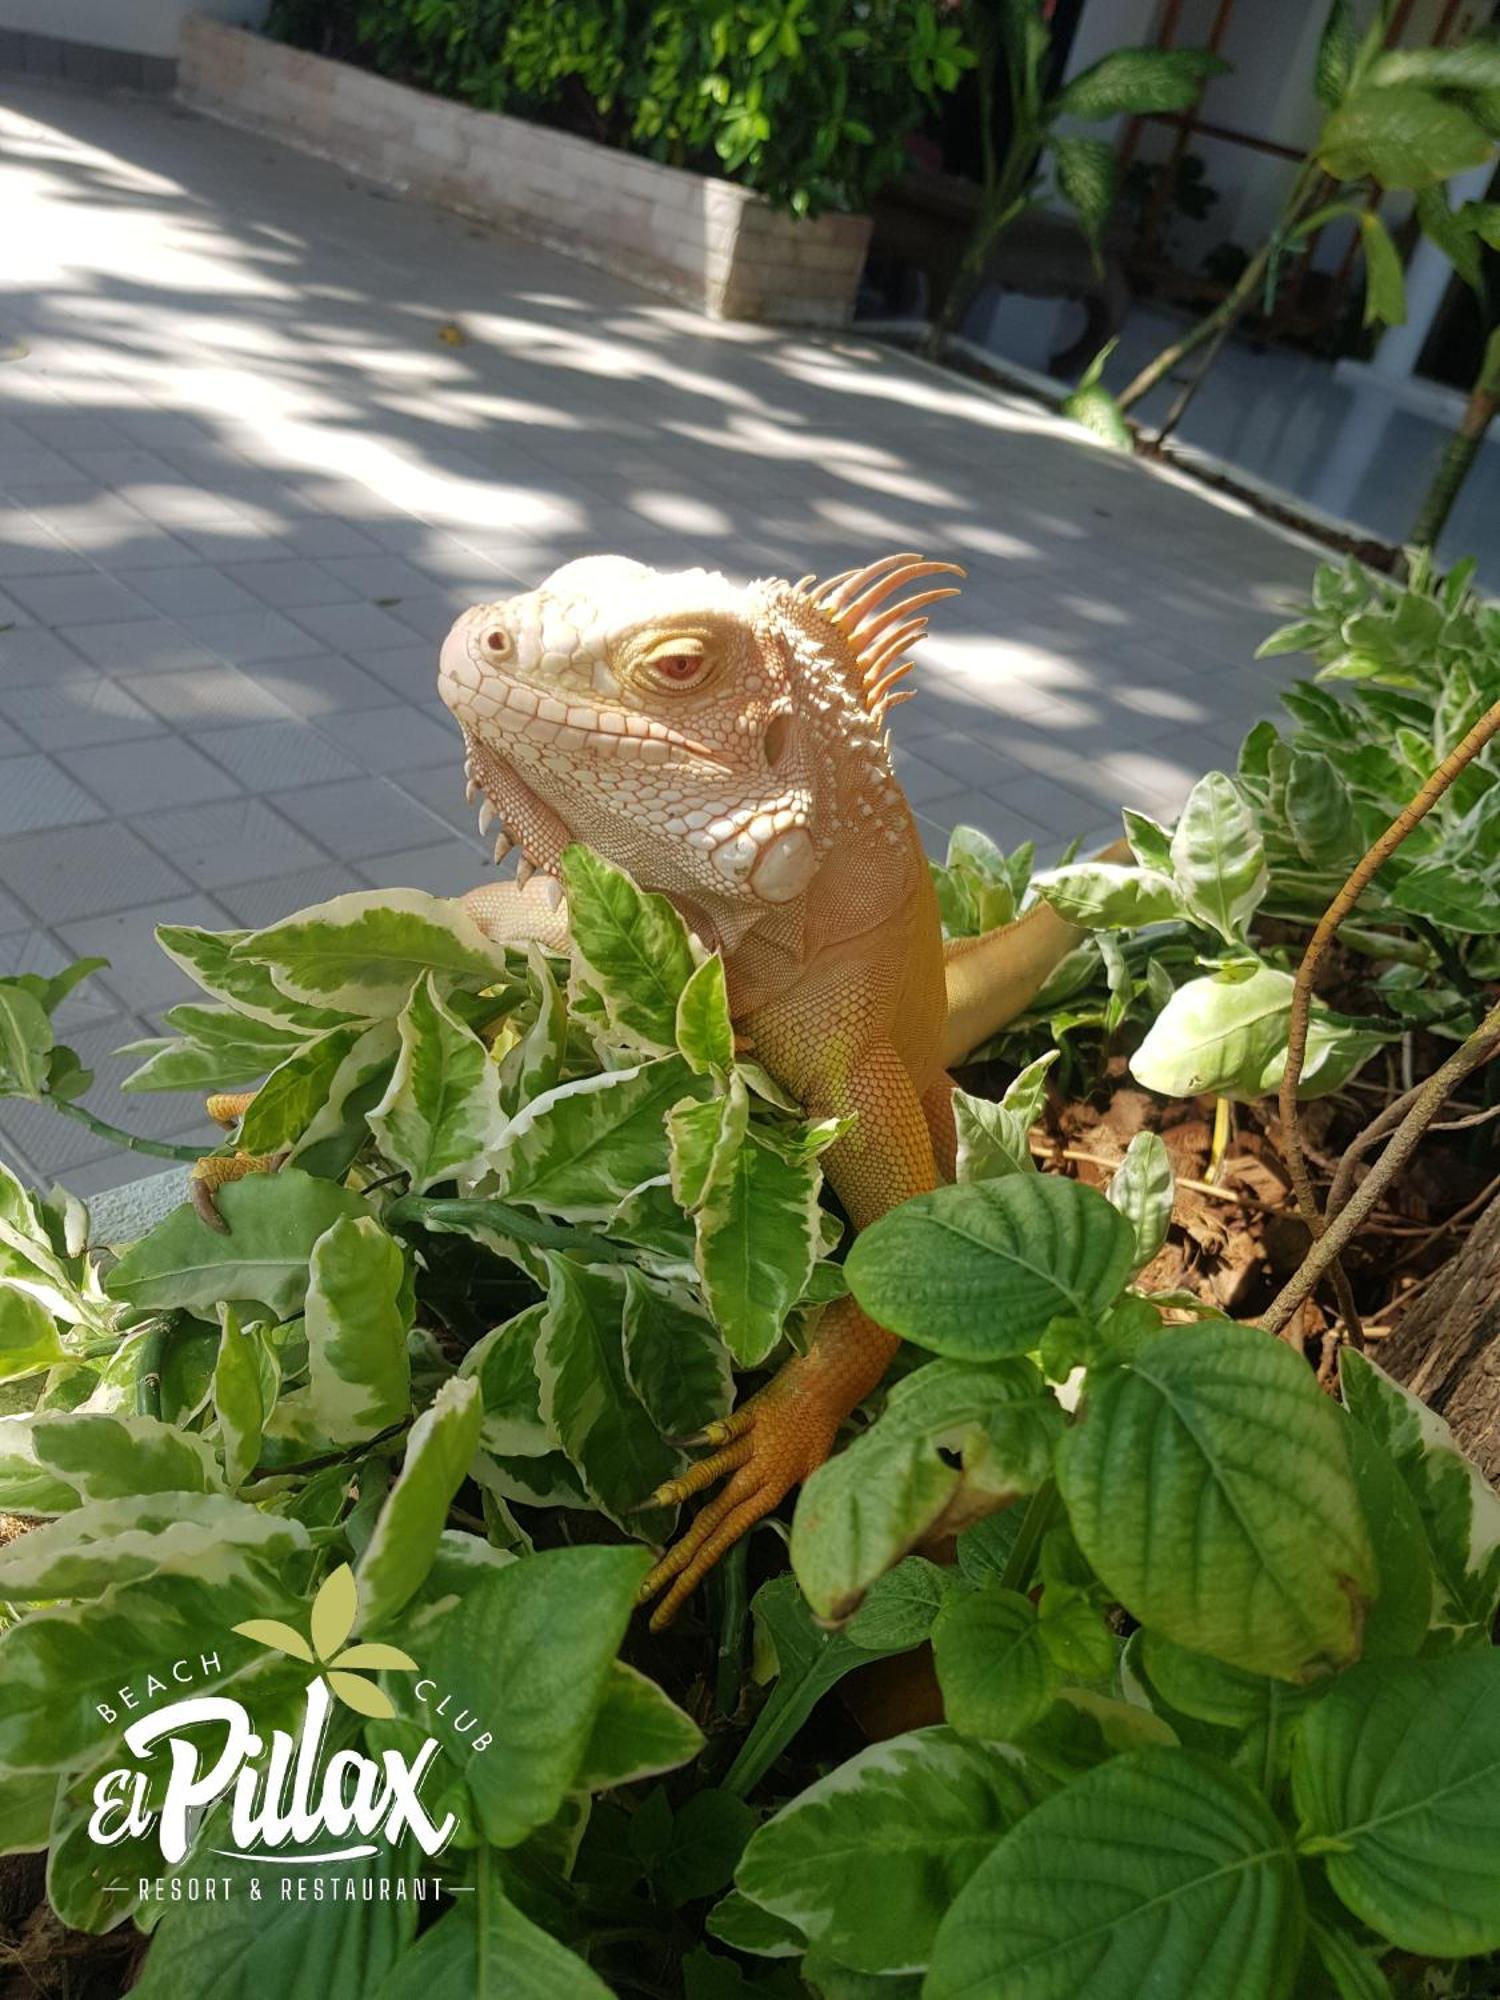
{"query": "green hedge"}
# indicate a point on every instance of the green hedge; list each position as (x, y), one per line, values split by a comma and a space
(809, 102)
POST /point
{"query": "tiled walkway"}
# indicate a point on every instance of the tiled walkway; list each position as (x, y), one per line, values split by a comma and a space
(246, 481)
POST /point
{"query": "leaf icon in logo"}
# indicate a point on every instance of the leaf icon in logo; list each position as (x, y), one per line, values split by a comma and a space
(334, 1611)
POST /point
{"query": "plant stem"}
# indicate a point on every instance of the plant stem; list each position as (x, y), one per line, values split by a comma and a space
(734, 1605)
(148, 1373)
(1477, 1050)
(1462, 448)
(1041, 1511)
(1223, 315)
(1297, 1026)
(159, 1149)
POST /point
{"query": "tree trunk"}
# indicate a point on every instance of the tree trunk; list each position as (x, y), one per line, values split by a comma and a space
(1457, 460)
(1447, 1349)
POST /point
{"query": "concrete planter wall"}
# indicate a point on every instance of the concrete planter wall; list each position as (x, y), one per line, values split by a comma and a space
(706, 241)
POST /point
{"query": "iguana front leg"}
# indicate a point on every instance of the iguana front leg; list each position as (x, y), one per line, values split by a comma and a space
(787, 1430)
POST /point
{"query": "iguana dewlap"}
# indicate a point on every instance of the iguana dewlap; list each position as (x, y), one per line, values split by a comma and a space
(728, 746)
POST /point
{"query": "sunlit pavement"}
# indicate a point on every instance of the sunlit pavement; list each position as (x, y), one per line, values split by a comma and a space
(246, 482)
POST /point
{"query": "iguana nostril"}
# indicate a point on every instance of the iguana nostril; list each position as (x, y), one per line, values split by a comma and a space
(497, 642)
(773, 743)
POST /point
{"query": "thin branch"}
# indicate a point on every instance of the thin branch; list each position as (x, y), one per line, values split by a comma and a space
(1302, 992)
(1476, 1051)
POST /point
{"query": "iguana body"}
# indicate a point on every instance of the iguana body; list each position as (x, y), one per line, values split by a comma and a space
(728, 747)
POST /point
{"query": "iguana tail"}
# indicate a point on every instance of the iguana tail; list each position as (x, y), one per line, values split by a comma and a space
(995, 977)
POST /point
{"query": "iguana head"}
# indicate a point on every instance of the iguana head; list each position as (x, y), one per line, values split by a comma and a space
(717, 740)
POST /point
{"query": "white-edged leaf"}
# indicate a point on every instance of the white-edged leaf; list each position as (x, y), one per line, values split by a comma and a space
(363, 953)
(439, 1452)
(1142, 1188)
(634, 947)
(579, 1149)
(356, 1317)
(759, 1234)
(1218, 858)
(440, 1118)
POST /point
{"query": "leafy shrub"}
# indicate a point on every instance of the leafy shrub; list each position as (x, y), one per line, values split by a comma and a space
(806, 101)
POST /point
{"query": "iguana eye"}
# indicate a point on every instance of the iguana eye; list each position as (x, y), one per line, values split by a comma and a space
(679, 663)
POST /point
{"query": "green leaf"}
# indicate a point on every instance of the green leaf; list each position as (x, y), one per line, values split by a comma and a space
(993, 1139)
(1131, 81)
(1395, 1770)
(1142, 1188)
(637, 1733)
(485, 1947)
(867, 1861)
(1396, 1623)
(114, 1542)
(273, 1222)
(1459, 1509)
(107, 1455)
(1086, 179)
(220, 1049)
(1320, 811)
(703, 1138)
(26, 1805)
(1385, 281)
(864, 1508)
(28, 1335)
(1218, 858)
(247, 1381)
(1402, 135)
(1337, 48)
(509, 1631)
(996, 1673)
(339, 1131)
(586, 1397)
(1103, 895)
(901, 1606)
(1175, 1480)
(977, 1272)
(1158, 1872)
(1227, 1034)
(674, 1360)
(759, 1234)
(357, 1316)
(440, 1118)
(704, 1031)
(292, 1095)
(635, 946)
(363, 953)
(1353, 1968)
(579, 1149)
(399, 1553)
(503, 1364)
(240, 1948)
(25, 1042)
(208, 959)
(535, 1063)
(1459, 899)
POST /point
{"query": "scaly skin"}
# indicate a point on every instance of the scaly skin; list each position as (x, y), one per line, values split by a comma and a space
(728, 747)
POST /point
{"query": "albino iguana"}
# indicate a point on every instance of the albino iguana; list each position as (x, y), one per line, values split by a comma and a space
(728, 747)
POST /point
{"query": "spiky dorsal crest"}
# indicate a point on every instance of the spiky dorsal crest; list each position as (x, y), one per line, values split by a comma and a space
(880, 632)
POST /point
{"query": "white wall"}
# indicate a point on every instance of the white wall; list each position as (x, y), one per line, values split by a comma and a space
(148, 27)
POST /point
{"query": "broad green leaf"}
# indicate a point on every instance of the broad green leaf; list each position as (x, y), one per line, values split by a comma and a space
(484, 1948)
(1104, 895)
(1213, 1691)
(1176, 1478)
(1459, 899)
(1459, 1509)
(977, 1272)
(955, 1440)
(59, 1666)
(503, 1363)
(247, 1381)
(1319, 811)
(1396, 1624)
(635, 946)
(759, 1234)
(1227, 1034)
(708, 1837)
(112, 1542)
(1338, 47)
(867, 1861)
(291, 1096)
(674, 1359)
(1086, 179)
(1158, 1872)
(27, 1486)
(703, 1137)
(637, 1732)
(208, 958)
(745, 1926)
(1394, 1774)
(220, 1049)
(440, 1118)
(1403, 135)
(579, 1149)
(241, 1948)
(1142, 1188)
(996, 1673)
(586, 1397)
(1131, 81)
(705, 1033)
(28, 1335)
(363, 953)
(1354, 1968)
(439, 1451)
(1217, 857)
(26, 1805)
(357, 1315)
(273, 1222)
(339, 1130)
(993, 1139)
(900, 1607)
(112, 1455)
(25, 1042)
(1385, 281)
(509, 1632)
